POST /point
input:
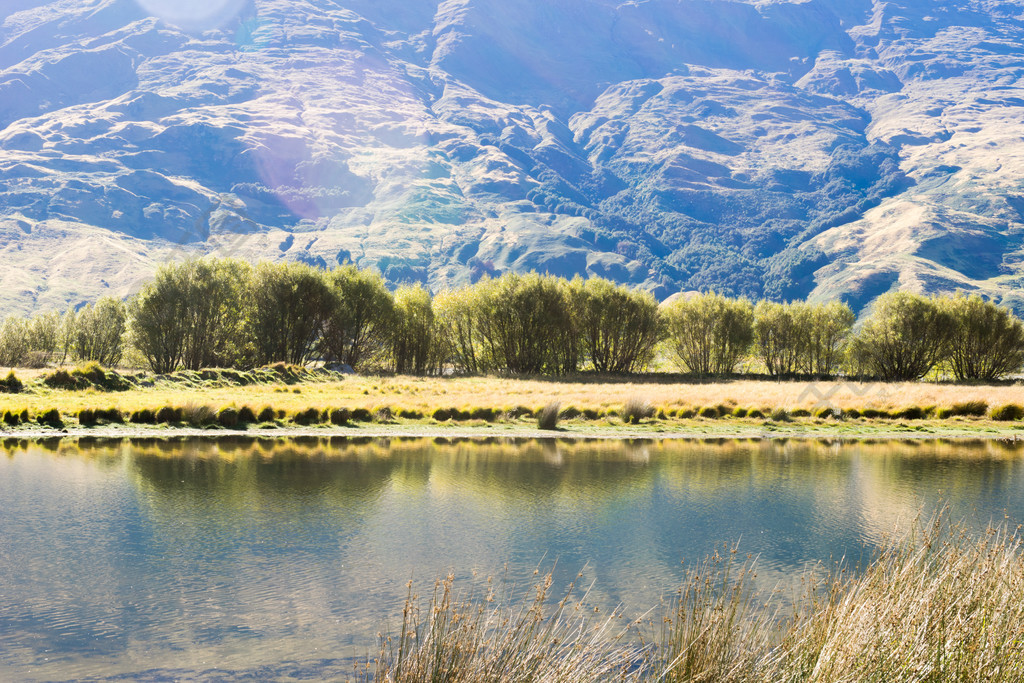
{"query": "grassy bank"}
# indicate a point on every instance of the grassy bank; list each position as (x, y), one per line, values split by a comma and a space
(934, 605)
(290, 397)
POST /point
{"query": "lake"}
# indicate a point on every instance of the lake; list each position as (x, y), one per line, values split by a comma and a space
(258, 559)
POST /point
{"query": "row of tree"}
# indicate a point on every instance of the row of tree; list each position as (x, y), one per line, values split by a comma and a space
(228, 313)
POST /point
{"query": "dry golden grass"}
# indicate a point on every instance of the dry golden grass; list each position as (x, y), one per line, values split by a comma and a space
(427, 394)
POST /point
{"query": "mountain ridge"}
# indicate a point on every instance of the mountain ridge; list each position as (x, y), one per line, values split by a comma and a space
(818, 149)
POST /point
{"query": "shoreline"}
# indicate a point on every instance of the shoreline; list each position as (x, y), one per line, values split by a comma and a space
(871, 431)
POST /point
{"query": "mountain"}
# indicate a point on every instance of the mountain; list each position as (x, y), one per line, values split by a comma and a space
(823, 149)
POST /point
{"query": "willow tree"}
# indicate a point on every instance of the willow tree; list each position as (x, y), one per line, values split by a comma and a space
(412, 339)
(356, 327)
(986, 341)
(289, 304)
(99, 332)
(619, 328)
(525, 326)
(709, 333)
(458, 329)
(903, 338)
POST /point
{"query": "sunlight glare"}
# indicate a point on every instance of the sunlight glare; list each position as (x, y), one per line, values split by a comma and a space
(194, 14)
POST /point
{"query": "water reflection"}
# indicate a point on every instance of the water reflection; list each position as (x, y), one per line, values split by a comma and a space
(121, 557)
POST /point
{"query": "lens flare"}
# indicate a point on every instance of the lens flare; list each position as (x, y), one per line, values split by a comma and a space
(194, 15)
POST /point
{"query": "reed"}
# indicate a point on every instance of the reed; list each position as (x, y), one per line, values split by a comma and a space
(935, 604)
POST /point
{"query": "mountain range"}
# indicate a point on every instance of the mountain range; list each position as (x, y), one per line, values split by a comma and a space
(824, 149)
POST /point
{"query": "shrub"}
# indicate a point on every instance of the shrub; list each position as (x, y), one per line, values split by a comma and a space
(987, 340)
(267, 414)
(168, 415)
(112, 415)
(227, 417)
(60, 379)
(340, 416)
(970, 408)
(10, 384)
(1009, 412)
(306, 417)
(362, 415)
(86, 417)
(708, 411)
(911, 413)
(442, 414)
(636, 409)
(547, 417)
(246, 415)
(709, 333)
(383, 414)
(144, 416)
(50, 417)
(11, 417)
(485, 414)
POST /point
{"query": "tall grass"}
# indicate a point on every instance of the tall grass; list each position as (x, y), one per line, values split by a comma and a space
(491, 639)
(937, 604)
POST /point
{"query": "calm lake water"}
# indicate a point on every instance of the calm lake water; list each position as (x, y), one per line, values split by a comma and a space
(253, 560)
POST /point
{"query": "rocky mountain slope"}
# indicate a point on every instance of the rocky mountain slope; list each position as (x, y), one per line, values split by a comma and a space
(825, 148)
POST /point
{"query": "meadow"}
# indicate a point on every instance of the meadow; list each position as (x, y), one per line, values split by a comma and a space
(291, 396)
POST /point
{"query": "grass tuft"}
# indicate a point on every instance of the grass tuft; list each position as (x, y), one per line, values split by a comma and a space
(970, 408)
(547, 417)
(11, 384)
(636, 409)
(1010, 412)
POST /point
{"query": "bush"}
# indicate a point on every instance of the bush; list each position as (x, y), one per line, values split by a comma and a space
(362, 415)
(168, 415)
(50, 417)
(340, 416)
(267, 414)
(970, 408)
(246, 415)
(383, 415)
(10, 384)
(911, 413)
(227, 417)
(144, 416)
(309, 416)
(111, 415)
(60, 379)
(636, 409)
(1011, 412)
(709, 333)
(485, 414)
(442, 414)
(11, 417)
(547, 417)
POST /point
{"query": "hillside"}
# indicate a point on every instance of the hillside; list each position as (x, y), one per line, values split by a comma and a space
(828, 148)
